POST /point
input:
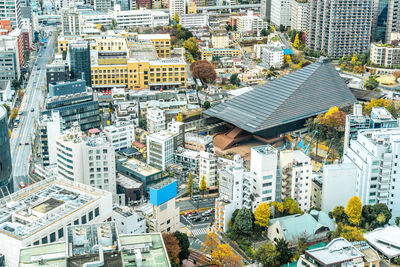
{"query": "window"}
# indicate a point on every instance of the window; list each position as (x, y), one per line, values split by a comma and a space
(168, 221)
(90, 216)
(60, 232)
(83, 219)
(36, 243)
(52, 237)
(45, 240)
(76, 222)
(267, 177)
(96, 212)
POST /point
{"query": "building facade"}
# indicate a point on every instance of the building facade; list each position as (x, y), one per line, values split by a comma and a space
(208, 168)
(120, 135)
(160, 149)
(5, 155)
(50, 128)
(299, 15)
(79, 55)
(280, 12)
(155, 120)
(385, 55)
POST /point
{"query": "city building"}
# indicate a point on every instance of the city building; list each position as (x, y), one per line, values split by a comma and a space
(316, 192)
(220, 40)
(198, 142)
(102, 4)
(375, 155)
(210, 54)
(234, 192)
(341, 16)
(299, 15)
(82, 107)
(208, 168)
(39, 214)
(128, 221)
(386, 20)
(385, 55)
(187, 158)
(250, 23)
(339, 185)
(98, 243)
(71, 21)
(144, 4)
(165, 216)
(266, 10)
(11, 10)
(50, 128)
(120, 135)
(155, 120)
(160, 149)
(296, 177)
(192, 21)
(176, 7)
(263, 171)
(141, 18)
(280, 12)
(272, 56)
(129, 188)
(161, 43)
(139, 171)
(79, 56)
(5, 92)
(66, 88)
(10, 68)
(6, 182)
(385, 241)
(338, 252)
(86, 159)
(57, 72)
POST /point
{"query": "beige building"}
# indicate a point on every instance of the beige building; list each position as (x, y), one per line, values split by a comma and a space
(220, 40)
(210, 53)
(385, 55)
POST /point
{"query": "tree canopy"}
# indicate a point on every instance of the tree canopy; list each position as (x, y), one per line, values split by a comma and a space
(173, 248)
(243, 224)
(183, 244)
(190, 184)
(371, 83)
(203, 70)
(354, 210)
(262, 214)
(267, 255)
(203, 184)
(374, 216)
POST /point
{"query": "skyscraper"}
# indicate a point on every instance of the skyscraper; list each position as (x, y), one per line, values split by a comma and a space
(386, 19)
(176, 6)
(5, 155)
(79, 55)
(339, 27)
(11, 10)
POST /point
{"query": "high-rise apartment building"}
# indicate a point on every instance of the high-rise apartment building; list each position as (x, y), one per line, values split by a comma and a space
(176, 7)
(266, 10)
(79, 56)
(208, 168)
(299, 15)
(10, 67)
(11, 10)
(375, 154)
(70, 20)
(386, 19)
(339, 27)
(6, 182)
(280, 12)
(160, 149)
(155, 120)
(50, 128)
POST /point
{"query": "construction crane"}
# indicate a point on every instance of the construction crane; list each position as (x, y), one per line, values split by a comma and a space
(312, 138)
(331, 146)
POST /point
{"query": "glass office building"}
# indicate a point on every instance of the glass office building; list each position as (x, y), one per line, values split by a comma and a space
(79, 53)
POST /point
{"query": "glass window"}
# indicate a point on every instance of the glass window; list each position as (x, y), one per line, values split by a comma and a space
(52, 237)
(83, 219)
(96, 212)
(90, 215)
(60, 232)
(45, 240)
(76, 222)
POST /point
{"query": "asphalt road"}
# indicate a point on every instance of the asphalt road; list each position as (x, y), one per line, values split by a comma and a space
(22, 136)
(193, 205)
(198, 230)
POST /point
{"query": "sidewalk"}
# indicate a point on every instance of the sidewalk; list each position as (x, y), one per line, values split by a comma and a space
(214, 195)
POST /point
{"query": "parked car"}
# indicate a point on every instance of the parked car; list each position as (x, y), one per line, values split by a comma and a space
(196, 198)
(196, 218)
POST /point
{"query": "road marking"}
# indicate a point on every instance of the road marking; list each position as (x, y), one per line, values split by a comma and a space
(199, 231)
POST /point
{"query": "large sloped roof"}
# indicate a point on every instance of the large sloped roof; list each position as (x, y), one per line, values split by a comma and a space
(307, 92)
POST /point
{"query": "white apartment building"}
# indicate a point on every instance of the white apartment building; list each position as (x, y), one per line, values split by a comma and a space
(234, 192)
(208, 167)
(140, 18)
(129, 221)
(280, 12)
(250, 23)
(339, 184)
(88, 160)
(176, 7)
(102, 4)
(387, 56)
(70, 19)
(272, 56)
(299, 15)
(50, 129)
(296, 177)
(160, 149)
(263, 171)
(120, 135)
(11, 10)
(94, 18)
(375, 154)
(220, 40)
(40, 213)
(155, 120)
(192, 21)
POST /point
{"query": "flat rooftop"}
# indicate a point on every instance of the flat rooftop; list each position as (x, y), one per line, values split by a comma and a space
(140, 167)
(127, 182)
(265, 150)
(154, 36)
(163, 183)
(34, 208)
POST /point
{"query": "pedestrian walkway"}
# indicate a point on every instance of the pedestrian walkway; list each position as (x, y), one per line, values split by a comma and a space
(199, 231)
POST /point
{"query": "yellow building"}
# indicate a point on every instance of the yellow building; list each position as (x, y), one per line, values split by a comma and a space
(192, 8)
(62, 43)
(210, 53)
(161, 42)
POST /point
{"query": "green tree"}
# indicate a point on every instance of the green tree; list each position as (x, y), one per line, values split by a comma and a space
(371, 83)
(267, 254)
(264, 32)
(397, 221)
(183, 244)
(113, 24)
(339, 215)
(190, 185)
(354, 210)
(203, 185)
(102, 28)
(16, 84)
(234, 79)
(281, 28)
(285, 254)
(296, 42)
(374, 216)
(290, 206)
(243, 224)
(64, 55)
(206, 105)
(262, 214)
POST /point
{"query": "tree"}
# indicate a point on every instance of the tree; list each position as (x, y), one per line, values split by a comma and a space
(396, 74)
(190, 185)
(7, 107)
(354, 210)
(206, 105)
(203, 185)
(373, 216)
(172, 246)
(102, 28)
(176, 17)
(190, 44)
(264, 32)
(267, 254)
(397, 221)
(183, 244)
(203, 70)
(290, 206)
(113, 23)
(262, 214)
(224, 255)
(371, 83)
(296, 42)
(211, 243)
(234, 79)
(14, 113)
(285, 254)
(339, 215)
(179, 117)
(20, 93)
(16, 84)
(281, 28)
(350, 233)
(243, 224)
(388, 104)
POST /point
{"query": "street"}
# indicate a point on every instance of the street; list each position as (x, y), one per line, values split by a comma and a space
(198, 229)
(185, 205)
(22, 136)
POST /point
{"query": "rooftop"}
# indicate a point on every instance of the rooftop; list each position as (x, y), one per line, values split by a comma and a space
(385, 240)
(265, 150)
(153, 36)
(34, 208)
(304, 93)
(126, 211)
(163, 183)
(127, 182)
(139, 166)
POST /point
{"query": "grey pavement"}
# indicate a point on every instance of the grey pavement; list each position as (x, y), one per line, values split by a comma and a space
(192, 205)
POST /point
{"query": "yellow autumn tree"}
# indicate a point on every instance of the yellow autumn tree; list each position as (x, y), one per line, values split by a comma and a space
(176, 17)
(278, 206)
(203, 185)
(351, 233)
(331, 111)
(354, 59)
(224, 255)
(211, 243)
(287, 59)
(296, 42)
(179, 117)
(262, 214)
(353, 210)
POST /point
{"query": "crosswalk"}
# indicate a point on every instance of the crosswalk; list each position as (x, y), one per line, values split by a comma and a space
(196, 241)
(199, 231)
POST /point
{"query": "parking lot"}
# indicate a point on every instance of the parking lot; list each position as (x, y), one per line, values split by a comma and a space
(197, 223)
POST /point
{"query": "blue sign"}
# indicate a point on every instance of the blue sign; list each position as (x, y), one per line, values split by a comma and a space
(161, 195)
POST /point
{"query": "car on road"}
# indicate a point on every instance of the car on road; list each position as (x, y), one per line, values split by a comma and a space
(32, 109)
(188, 213)
(38, 68)
(196, 218)
(196, 198)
